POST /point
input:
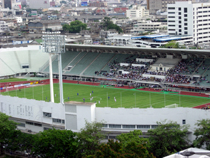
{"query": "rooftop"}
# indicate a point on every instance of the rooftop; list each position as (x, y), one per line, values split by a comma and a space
(150, 36)
(170, 38)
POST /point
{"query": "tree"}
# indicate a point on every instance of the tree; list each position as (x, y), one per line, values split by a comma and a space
(7, 128)
(171, 44)
(21, 141)
(89, 138)
(108, 24)
(167, 138)
(55, 143)
(133, 143)
(75, 26)
(202, 134)
(117, 149)
(132, 136)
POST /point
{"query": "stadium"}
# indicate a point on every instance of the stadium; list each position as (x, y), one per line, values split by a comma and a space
(126, 88)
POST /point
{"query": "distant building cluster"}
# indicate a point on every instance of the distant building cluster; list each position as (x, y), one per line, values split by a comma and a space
(186, 19)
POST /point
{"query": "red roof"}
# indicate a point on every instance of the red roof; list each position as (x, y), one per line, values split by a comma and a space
(100, 10)
(120, 10)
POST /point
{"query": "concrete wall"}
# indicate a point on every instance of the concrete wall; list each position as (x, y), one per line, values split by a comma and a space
(149, 116)
(31, 110)
(77, 113)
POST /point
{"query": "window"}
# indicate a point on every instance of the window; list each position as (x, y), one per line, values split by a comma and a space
(46, 114)
(105, 125)
(171, 17)
(38, 124)
(154, 126)
(25, 66)
(180, 13)
(171, 25)
(179, 9)
(57, 120)
(45, 128)
(112, 137)
(171, 21)
(171, 7)
(128, 126)
(180, 26)
(180, 17)
(180, 30)
(185, 32)
(185, 15)
(30, 123)
(185, 19)
(171, 12)
(171, 29)
(21, 124)
(143, 126)
(114, 126)
(180, 22)
(185, 10)
(185, 24)
(185, 28)
(183, 122)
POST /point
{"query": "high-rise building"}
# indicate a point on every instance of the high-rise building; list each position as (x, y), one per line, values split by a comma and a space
(39, 4)
(187, 18)
(156, 5)
(137, 11)
(11, 4)
(7, 4)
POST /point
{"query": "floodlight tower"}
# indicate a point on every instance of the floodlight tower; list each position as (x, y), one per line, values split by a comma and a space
(54, 44)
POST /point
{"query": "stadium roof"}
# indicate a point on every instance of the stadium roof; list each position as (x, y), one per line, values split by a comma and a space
(138, 49)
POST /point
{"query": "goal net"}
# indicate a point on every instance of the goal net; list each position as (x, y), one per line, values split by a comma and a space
(172, 106)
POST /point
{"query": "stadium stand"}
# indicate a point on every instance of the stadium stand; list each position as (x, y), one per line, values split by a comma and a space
(22, 60)
(5, 69)
(118, 58)
(83, 63)
(98, 64)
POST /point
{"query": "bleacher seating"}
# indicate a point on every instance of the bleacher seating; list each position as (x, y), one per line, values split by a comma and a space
(118, 58)
(98, 64)
(67, 58)
(83, 63)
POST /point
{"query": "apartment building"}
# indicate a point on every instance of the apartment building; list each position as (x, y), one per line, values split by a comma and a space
(187, 18)
(3, 26)
(147, 26)
(156, 5)
(137, 11)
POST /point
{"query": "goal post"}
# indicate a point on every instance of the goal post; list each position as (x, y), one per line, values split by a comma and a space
(172, 106)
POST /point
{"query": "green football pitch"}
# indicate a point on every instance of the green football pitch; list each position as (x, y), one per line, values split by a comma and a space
(104, 97)
(12, 80)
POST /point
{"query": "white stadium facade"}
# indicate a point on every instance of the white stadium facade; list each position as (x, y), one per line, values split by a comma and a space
(34, 116)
